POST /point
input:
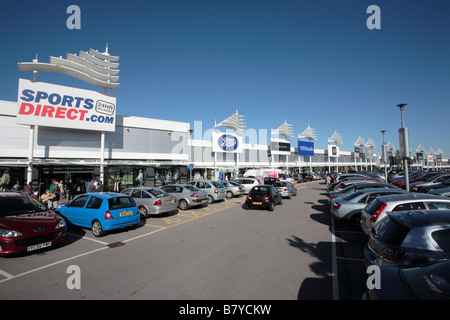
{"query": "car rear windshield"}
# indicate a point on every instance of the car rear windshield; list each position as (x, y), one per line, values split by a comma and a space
(260, 189)
(120, 203)
(373, 206)
(279, 184)
(217, 184)
(390, 231)
(19, 205)
(191, 188)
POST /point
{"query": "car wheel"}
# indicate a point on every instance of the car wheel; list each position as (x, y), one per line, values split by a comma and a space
(229, 194)
(97, 229)
(271, 207)
(183, 204)
(143, 211)
(210, 199)
(356, 220)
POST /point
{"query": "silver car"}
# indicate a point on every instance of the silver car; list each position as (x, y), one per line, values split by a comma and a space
(233, 189)
(248, 183)
(375, 211)
(187, 195)
(152, 201)
(410, 238)
(350, 206)
(358, 186)
(214, 189)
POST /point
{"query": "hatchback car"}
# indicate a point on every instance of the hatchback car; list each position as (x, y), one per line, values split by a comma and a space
(263, 196)
(27, 225)
(350, 206)
(101, 211)
(247, 183)
(233, 189)
(357, 187)
(152, 201)
(214, 189)
(286, 189)
(375, 211)
(426, 282)
(409, 238)
(187, 196)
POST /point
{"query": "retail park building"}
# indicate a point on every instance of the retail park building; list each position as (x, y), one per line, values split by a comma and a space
(39, 142)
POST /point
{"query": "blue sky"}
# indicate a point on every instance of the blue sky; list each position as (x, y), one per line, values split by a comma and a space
(301, 61)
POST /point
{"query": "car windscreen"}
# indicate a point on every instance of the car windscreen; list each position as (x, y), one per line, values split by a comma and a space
(19, 205)
(120, 203)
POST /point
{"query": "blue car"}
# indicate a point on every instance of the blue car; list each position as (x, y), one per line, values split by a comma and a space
(286, 188)
(101, 212)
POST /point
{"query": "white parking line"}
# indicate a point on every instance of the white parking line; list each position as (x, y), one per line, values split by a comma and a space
(87, 238)
(334, 275)
(6, 274)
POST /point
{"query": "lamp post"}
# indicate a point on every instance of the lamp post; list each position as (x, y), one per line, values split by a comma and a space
(404, 145)
(383, 154)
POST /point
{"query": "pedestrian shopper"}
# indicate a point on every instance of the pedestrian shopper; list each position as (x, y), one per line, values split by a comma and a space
(71, 188)
(15, 188)
(47, 198)
(30, 190)
(117, 186)
(90, 186)
(328, 181)
(100, 187)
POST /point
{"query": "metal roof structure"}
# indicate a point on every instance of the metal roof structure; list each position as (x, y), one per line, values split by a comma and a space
(235, 122)
(96, 68)
(335, 138)
(285, 130)
(309, 133)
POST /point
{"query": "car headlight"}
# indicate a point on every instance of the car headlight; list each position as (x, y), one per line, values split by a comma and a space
(9, 233)
(61, 224)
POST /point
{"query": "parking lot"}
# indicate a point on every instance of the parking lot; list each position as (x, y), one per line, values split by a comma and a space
(213, 253)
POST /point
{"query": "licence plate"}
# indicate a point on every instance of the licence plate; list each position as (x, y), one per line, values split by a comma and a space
(169, 201)
(127, 213)
(257, 203)
(222, 193)
(279, 189)
(39, 246)
(204, 200)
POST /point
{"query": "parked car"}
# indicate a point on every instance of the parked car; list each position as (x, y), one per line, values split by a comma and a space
(101, 211)
(263, 196)
(26, 225)
(347, 182)
(409, 238)
(152, 201)
(434, 179)
(444, 192)
(375, 211)
(187, 196)
(286, 189)
(426, 282)
(247, 183)
(270, 180)
(357, 187)
(350, 206)
(440, 185)
(233, 189)
(214, 189)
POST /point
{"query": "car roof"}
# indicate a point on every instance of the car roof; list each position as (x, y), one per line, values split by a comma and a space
(372, 190)
(412, 196)
(106, 195)
(13, 194)
(418, 218)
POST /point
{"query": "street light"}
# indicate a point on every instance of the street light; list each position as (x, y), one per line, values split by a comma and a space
(383, 153)
(404, 145)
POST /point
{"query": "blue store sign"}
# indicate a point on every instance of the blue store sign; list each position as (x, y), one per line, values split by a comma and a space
(228, 142)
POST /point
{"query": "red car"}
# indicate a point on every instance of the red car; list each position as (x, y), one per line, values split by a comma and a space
(27, 225)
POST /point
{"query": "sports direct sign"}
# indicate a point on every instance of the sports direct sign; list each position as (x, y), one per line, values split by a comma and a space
(50, 105)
